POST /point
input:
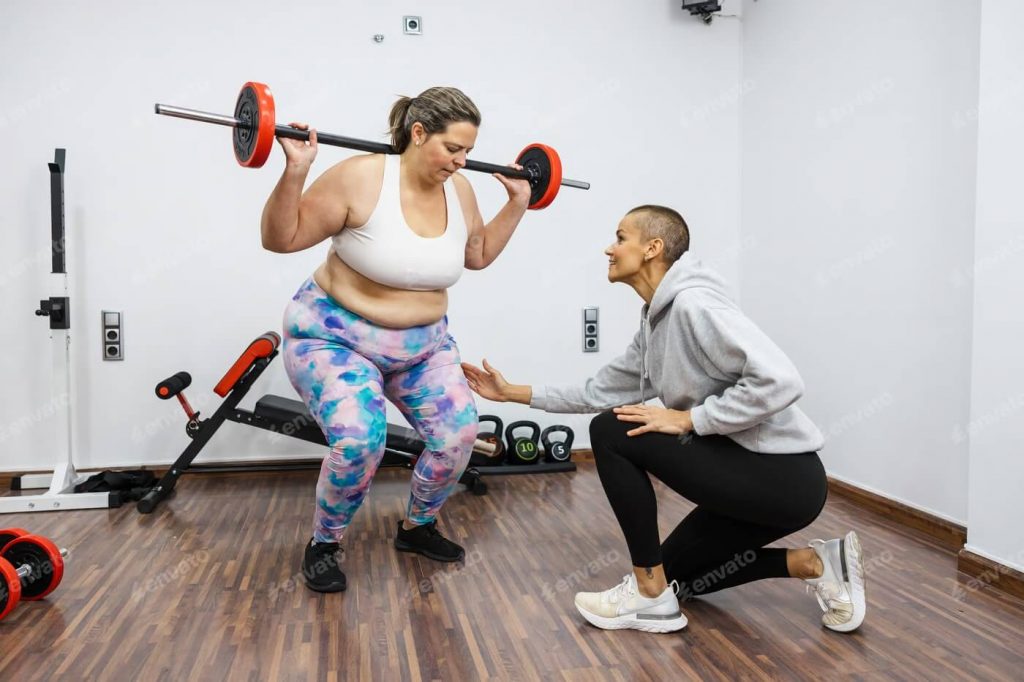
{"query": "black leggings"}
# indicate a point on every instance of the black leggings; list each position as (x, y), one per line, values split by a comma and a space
(744, 499)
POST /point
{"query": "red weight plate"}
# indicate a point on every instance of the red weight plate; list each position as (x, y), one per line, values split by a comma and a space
(8, 534)
(39, 548)
(555, 183)
(10, 588)
(266, 115)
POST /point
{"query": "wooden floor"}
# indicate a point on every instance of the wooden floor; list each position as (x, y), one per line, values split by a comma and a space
(201, 590)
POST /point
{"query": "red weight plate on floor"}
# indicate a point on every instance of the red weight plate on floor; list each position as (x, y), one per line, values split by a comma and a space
(10, 588)
(43, 557)
(8, 534)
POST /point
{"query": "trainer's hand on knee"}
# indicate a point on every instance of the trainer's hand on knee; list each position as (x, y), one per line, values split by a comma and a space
(487, 382)
(655, 419)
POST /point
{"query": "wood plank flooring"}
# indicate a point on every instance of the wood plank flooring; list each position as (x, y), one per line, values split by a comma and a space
(207, 589)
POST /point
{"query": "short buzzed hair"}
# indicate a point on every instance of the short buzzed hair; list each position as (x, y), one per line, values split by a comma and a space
(661, 222)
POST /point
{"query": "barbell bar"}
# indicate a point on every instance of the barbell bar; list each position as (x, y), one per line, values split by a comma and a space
(255, 129)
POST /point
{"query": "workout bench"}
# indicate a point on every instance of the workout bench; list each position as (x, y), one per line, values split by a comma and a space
(273, 413)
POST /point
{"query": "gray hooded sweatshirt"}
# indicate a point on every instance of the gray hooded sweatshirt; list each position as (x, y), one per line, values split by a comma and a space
(697, 351)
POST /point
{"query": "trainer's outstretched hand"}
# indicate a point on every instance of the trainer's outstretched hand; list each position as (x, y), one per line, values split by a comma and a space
(487, 382)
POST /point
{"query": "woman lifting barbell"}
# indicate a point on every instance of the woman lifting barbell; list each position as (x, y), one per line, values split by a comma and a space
(731, 440)
(371, 322)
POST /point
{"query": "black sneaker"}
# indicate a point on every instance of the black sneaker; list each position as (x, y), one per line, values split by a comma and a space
(321, 567)
(428, 541)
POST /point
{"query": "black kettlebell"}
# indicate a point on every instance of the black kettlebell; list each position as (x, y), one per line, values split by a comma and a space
(523, 450)
(494, 437)
(557, 451)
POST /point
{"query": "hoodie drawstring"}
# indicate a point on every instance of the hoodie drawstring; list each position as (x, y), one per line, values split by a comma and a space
(643, 354)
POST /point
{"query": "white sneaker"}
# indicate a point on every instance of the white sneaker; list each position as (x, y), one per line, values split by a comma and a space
(624, 607)
(840, 589)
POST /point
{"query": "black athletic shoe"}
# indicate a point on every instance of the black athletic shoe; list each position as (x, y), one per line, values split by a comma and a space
(428, 541)
(321, 567)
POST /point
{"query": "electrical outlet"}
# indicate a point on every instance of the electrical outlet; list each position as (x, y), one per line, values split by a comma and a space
(413, 25)
(111, 324)
(590, 330)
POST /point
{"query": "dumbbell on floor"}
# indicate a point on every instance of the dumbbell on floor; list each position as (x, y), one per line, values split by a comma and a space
(31, 567)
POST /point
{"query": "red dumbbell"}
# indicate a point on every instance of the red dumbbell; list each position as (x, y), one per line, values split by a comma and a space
(31, 567)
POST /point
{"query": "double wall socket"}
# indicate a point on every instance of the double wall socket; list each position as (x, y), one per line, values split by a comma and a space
(590, 330)
(113, 335)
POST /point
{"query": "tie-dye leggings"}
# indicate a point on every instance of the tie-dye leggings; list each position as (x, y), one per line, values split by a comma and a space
(344, 366)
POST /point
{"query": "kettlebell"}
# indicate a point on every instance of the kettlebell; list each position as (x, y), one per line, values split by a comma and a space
(523, 450)
(480, 459)
(557, 451)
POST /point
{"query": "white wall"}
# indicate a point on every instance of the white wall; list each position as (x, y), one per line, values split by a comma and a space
(858, 172)
(849, 209)
(639, 99)
(995, 505)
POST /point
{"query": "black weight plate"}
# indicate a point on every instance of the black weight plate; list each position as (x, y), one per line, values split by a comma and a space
(535, 161)
(247, 111)
(43, 575)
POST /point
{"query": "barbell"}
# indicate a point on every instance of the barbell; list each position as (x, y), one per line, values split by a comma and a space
(255, 129)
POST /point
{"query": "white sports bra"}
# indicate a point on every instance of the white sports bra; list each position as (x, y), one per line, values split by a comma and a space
(387, 251)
